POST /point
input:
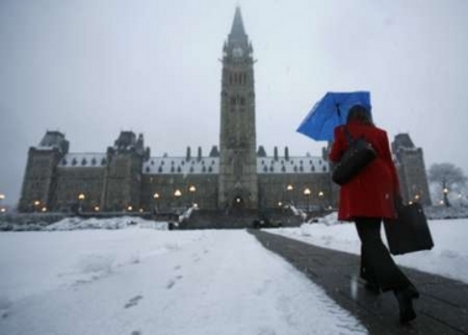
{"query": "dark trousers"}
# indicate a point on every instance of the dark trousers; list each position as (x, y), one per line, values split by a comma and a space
(377, 266)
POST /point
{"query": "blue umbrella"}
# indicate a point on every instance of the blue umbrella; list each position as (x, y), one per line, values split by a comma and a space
(331, 111)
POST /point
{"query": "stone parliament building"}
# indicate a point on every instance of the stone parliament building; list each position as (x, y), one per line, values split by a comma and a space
(235, 175)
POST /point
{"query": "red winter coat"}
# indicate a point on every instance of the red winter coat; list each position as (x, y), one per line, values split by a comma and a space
(371, 193)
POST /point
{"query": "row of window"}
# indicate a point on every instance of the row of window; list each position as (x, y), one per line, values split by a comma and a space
(291, 162)
(237, 78)
(84, 162)
(183, 162)
(296, 169)
(179, 169)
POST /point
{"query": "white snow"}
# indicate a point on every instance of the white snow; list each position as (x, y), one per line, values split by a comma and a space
(449, 257)
(147, 281)
(143, 279)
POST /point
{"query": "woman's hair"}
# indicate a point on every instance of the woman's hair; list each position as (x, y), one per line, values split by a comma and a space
(361, 114)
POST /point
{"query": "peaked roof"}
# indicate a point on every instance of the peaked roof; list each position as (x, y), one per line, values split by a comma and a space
(237, 29)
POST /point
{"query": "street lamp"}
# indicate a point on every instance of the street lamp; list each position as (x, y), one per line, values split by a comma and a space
(156, 197)
(81, 198)
(177, 194)
(192, 190)
(290, 189)
(2, 197)
(321, 195)
(307, 193)
(446, 201)
(36, 205)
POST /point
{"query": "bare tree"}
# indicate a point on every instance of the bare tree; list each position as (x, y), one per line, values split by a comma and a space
(447, 176)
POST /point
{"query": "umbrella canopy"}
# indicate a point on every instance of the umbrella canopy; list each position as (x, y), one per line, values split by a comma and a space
(331, 111)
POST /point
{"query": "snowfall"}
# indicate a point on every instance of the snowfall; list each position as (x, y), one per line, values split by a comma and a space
(136, 277)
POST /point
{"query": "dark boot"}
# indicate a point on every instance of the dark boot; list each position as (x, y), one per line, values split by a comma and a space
(405, 298)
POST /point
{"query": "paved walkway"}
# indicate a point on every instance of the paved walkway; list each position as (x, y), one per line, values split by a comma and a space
(442, 308)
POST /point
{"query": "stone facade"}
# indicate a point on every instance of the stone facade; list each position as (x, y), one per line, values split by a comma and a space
(238, 175)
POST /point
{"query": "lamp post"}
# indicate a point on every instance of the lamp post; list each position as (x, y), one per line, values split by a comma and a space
(320, 195)
(81, 198)
(446, 201)
(2, 197)
(36, 205)
(307, 193)
(192, 190)
(177, 195)
(156, 197)
(290, 190)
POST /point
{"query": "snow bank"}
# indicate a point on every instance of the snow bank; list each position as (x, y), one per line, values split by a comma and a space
(77, 223)
(449, 257)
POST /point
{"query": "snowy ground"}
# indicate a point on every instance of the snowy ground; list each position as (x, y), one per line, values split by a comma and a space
(142, 279)
(449, 257)
(145, 281)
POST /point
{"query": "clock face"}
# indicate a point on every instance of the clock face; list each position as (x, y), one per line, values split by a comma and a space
(237, 52)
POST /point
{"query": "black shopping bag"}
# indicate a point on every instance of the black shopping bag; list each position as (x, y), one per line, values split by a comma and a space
(409, 232)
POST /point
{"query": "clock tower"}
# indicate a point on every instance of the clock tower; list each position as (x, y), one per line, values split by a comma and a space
(238, 185)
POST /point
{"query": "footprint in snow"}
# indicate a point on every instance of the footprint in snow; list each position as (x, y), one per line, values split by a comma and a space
(134, 301)
(173, 281)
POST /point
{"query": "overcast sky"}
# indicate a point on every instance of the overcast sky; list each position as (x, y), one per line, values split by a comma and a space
(92, 68)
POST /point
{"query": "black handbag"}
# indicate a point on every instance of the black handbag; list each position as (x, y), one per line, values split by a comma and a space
(409, 232)
(357, 156)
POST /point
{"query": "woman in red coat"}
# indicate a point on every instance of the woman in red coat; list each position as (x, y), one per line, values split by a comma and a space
(367, 199)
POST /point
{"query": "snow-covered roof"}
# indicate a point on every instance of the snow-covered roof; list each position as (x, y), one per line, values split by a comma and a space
(82, 160)
(204, 165)
(292, 165)
(180, 165)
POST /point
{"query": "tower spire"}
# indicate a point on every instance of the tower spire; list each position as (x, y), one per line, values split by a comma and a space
(237, 29)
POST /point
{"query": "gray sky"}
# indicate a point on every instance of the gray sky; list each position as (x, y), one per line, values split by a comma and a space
(91, 68)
